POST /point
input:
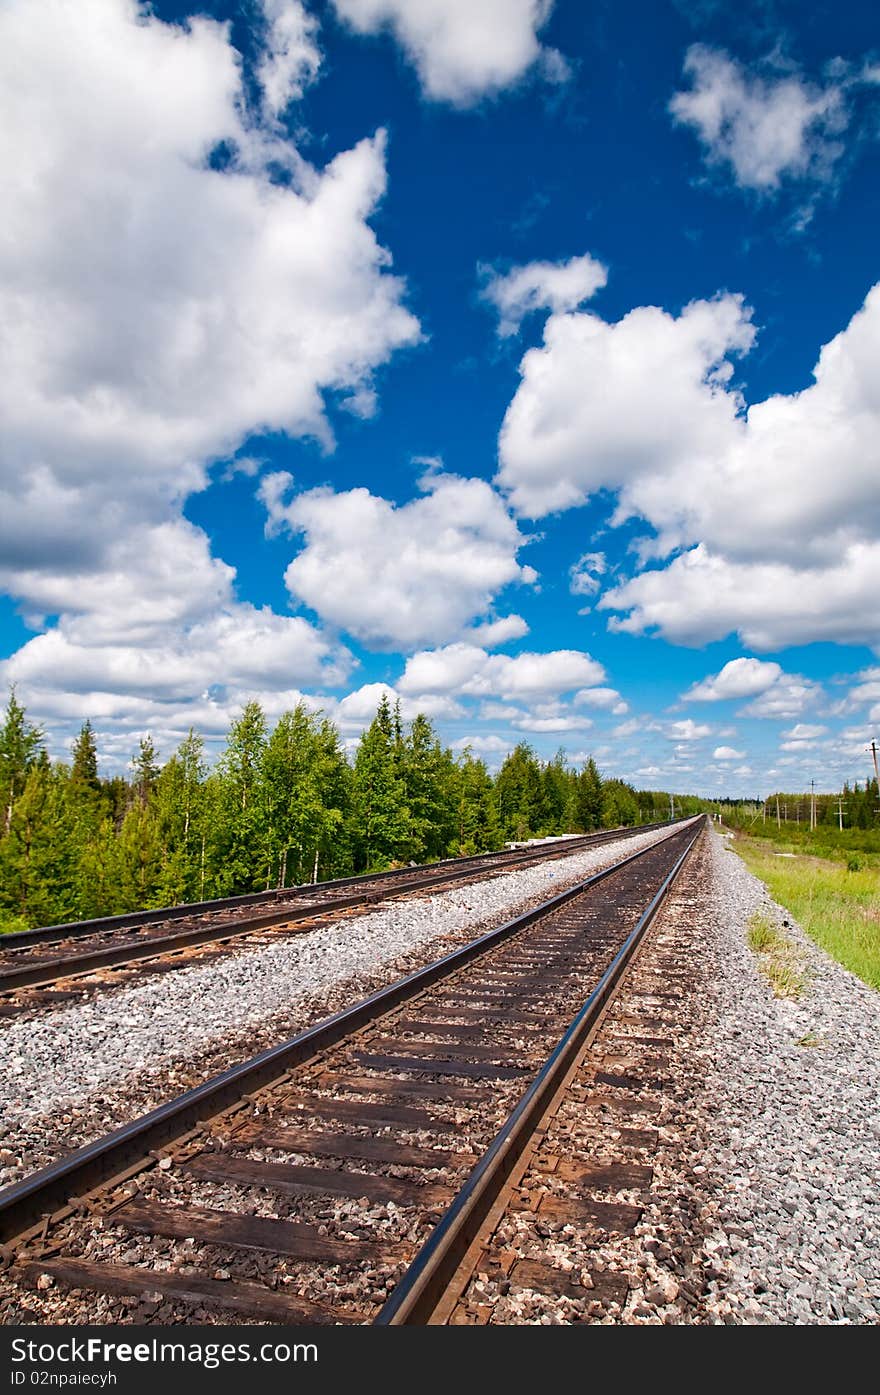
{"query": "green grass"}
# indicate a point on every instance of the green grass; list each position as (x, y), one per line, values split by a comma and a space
(837, 907)
(778, 958)
(825, 841)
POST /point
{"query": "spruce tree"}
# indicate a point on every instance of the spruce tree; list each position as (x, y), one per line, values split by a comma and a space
(589, 796)
(478, 828)
(20, 745)
(379, 816)
(84, 770)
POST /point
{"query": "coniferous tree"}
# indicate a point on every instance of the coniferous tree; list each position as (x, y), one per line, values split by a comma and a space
(428, 779)
(556, 795)
(84, 769)
(20, 744)
(589, 796)
(239, 833)
(37, 871)
(146, 770)
(619, 806)
(478, 828)
(519, 793)
(379, 819)
(306, 794)
(180, 815)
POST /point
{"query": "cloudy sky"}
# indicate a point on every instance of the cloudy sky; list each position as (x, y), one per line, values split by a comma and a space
(521, 359)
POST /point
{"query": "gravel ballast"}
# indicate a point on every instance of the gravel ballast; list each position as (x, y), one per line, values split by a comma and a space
(792, 1126)
(782, 1128)
(75, 1072)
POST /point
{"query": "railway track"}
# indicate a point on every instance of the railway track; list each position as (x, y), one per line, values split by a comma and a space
(42, 966)
(343, 1176)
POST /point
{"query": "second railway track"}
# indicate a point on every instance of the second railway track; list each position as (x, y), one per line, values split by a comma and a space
(342, 1176)
(43, 966)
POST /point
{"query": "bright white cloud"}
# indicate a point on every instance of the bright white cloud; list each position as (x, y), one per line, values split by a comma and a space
(556, 286)
(866, 690)
(495, 632)
(686, 730)
(700, 597)
(764, 129)
(805, 731)
(621, 405)
(483, 745)
(607, 698)
(584, 575)
(136, 347)
(398, 577)
(740, 678)
(462, 51)
(788, 698)
(291, 58)
(238, 646)
(468, 670)
(776, 507)
(549, 725)
(727, 753)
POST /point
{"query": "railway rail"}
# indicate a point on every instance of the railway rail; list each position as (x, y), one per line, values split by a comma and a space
(39, 959)
(343, 1176)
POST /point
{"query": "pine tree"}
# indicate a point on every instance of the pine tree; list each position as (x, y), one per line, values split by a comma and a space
(179, 799)
(85, 759)
(556, 793)
(589, 796)
(519, 793)
(36, 866)
(146, 771)
(619, 806)
(20, 745)
(305, 779)
(477, 825)
(238, 832)
(379, 817)
(428, 779)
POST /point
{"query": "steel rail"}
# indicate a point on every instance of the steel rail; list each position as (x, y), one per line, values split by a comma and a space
(428, 1276)
(131, 920)
(43, 972)
(52, 1187)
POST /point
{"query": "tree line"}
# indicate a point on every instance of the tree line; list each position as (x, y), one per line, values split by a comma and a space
(857, 806)
(281, 806)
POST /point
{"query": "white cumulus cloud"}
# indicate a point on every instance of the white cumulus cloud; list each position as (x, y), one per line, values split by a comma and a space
(740, 678)
(764, 128)
(556, 286)
(621, 405)
(401, 576)
(773, 508)
(162, 295)
(291, 58)
(469, 670)
(462, 51)
(727, 753)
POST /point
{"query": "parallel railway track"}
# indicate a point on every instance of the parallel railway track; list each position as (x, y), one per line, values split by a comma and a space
(342, 1176)
(35, 960)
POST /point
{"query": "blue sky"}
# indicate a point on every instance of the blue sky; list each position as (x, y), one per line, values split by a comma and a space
(519, 359)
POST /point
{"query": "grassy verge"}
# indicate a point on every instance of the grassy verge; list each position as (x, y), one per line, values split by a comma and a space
(839, 908)
(778, 958)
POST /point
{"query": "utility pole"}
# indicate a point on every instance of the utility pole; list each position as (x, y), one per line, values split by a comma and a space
(873, 749)
(671, 808)
(840, 812)
(778, 824)
(812, 805)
